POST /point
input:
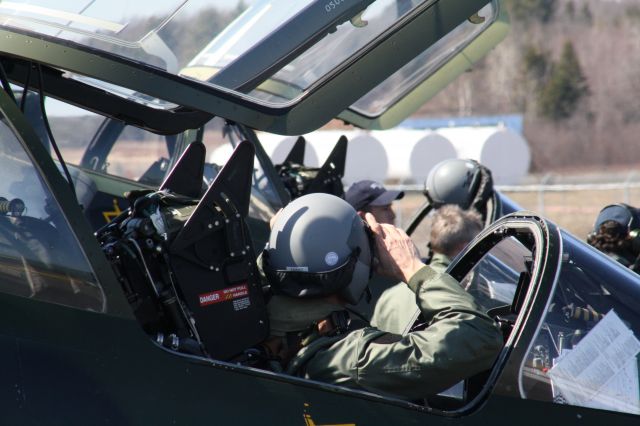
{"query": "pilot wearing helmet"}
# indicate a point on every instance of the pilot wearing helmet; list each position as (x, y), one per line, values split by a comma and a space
(319, 258)
(462, 182)
(457, 191)
(616, 233)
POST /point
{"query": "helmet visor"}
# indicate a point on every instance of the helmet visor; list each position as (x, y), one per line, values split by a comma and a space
(310, 284)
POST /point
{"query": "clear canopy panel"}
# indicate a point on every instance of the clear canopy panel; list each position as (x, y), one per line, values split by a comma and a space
(493, 281)
(272, 51)
(123, 157)
(585, 351)
(39, 255)
(403, 81)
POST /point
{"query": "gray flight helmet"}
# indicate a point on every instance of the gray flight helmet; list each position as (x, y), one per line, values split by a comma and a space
(463, 182)
(318, 246)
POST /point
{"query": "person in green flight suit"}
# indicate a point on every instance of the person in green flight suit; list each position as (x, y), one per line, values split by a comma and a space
(451, 230)
(318, 259)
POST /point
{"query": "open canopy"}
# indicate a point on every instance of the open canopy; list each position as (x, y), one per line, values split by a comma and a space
(275, 66)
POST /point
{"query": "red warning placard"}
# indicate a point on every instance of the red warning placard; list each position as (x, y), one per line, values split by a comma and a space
(224, 295)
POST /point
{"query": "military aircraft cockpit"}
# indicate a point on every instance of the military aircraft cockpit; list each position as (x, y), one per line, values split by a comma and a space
(128, 286)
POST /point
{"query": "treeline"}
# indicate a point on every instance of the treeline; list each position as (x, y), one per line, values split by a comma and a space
(572, 68)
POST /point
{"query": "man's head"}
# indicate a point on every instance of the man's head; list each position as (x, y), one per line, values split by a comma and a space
(318, 247)
(452, 228)
(463, 182)
(370, 196)
(617, 230)
(626, 216)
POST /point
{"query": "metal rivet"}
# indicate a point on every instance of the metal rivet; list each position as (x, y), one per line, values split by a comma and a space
(216, 223)
(211, 268)
(209, 226)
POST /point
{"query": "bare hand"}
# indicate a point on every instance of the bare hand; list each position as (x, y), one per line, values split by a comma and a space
(398, 257)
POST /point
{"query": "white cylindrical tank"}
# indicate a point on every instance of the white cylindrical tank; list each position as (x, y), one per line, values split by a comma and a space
(323, 142)
(278, 147)
(502, 150)
(221, 154)
(413, 153)
(366, 157)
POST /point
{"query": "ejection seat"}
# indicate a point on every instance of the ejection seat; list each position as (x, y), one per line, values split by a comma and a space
(187, 262)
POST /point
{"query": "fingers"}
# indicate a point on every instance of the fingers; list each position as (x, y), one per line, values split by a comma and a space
(390, 232)
(399, 233)
(373, 224)
(383, 232)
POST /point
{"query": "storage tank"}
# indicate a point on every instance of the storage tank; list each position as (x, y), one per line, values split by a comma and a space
(278, 147)
(221, 154)
(502, 150)
(413, 153)
(366, 157)
(323, 142)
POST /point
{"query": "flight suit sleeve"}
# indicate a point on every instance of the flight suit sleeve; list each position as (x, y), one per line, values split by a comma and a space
(458, 342)
(395, 310)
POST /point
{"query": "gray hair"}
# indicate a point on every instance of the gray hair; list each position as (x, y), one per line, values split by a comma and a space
(452, 228)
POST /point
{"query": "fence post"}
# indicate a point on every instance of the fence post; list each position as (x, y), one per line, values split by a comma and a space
(627, 184)
(541, 189)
